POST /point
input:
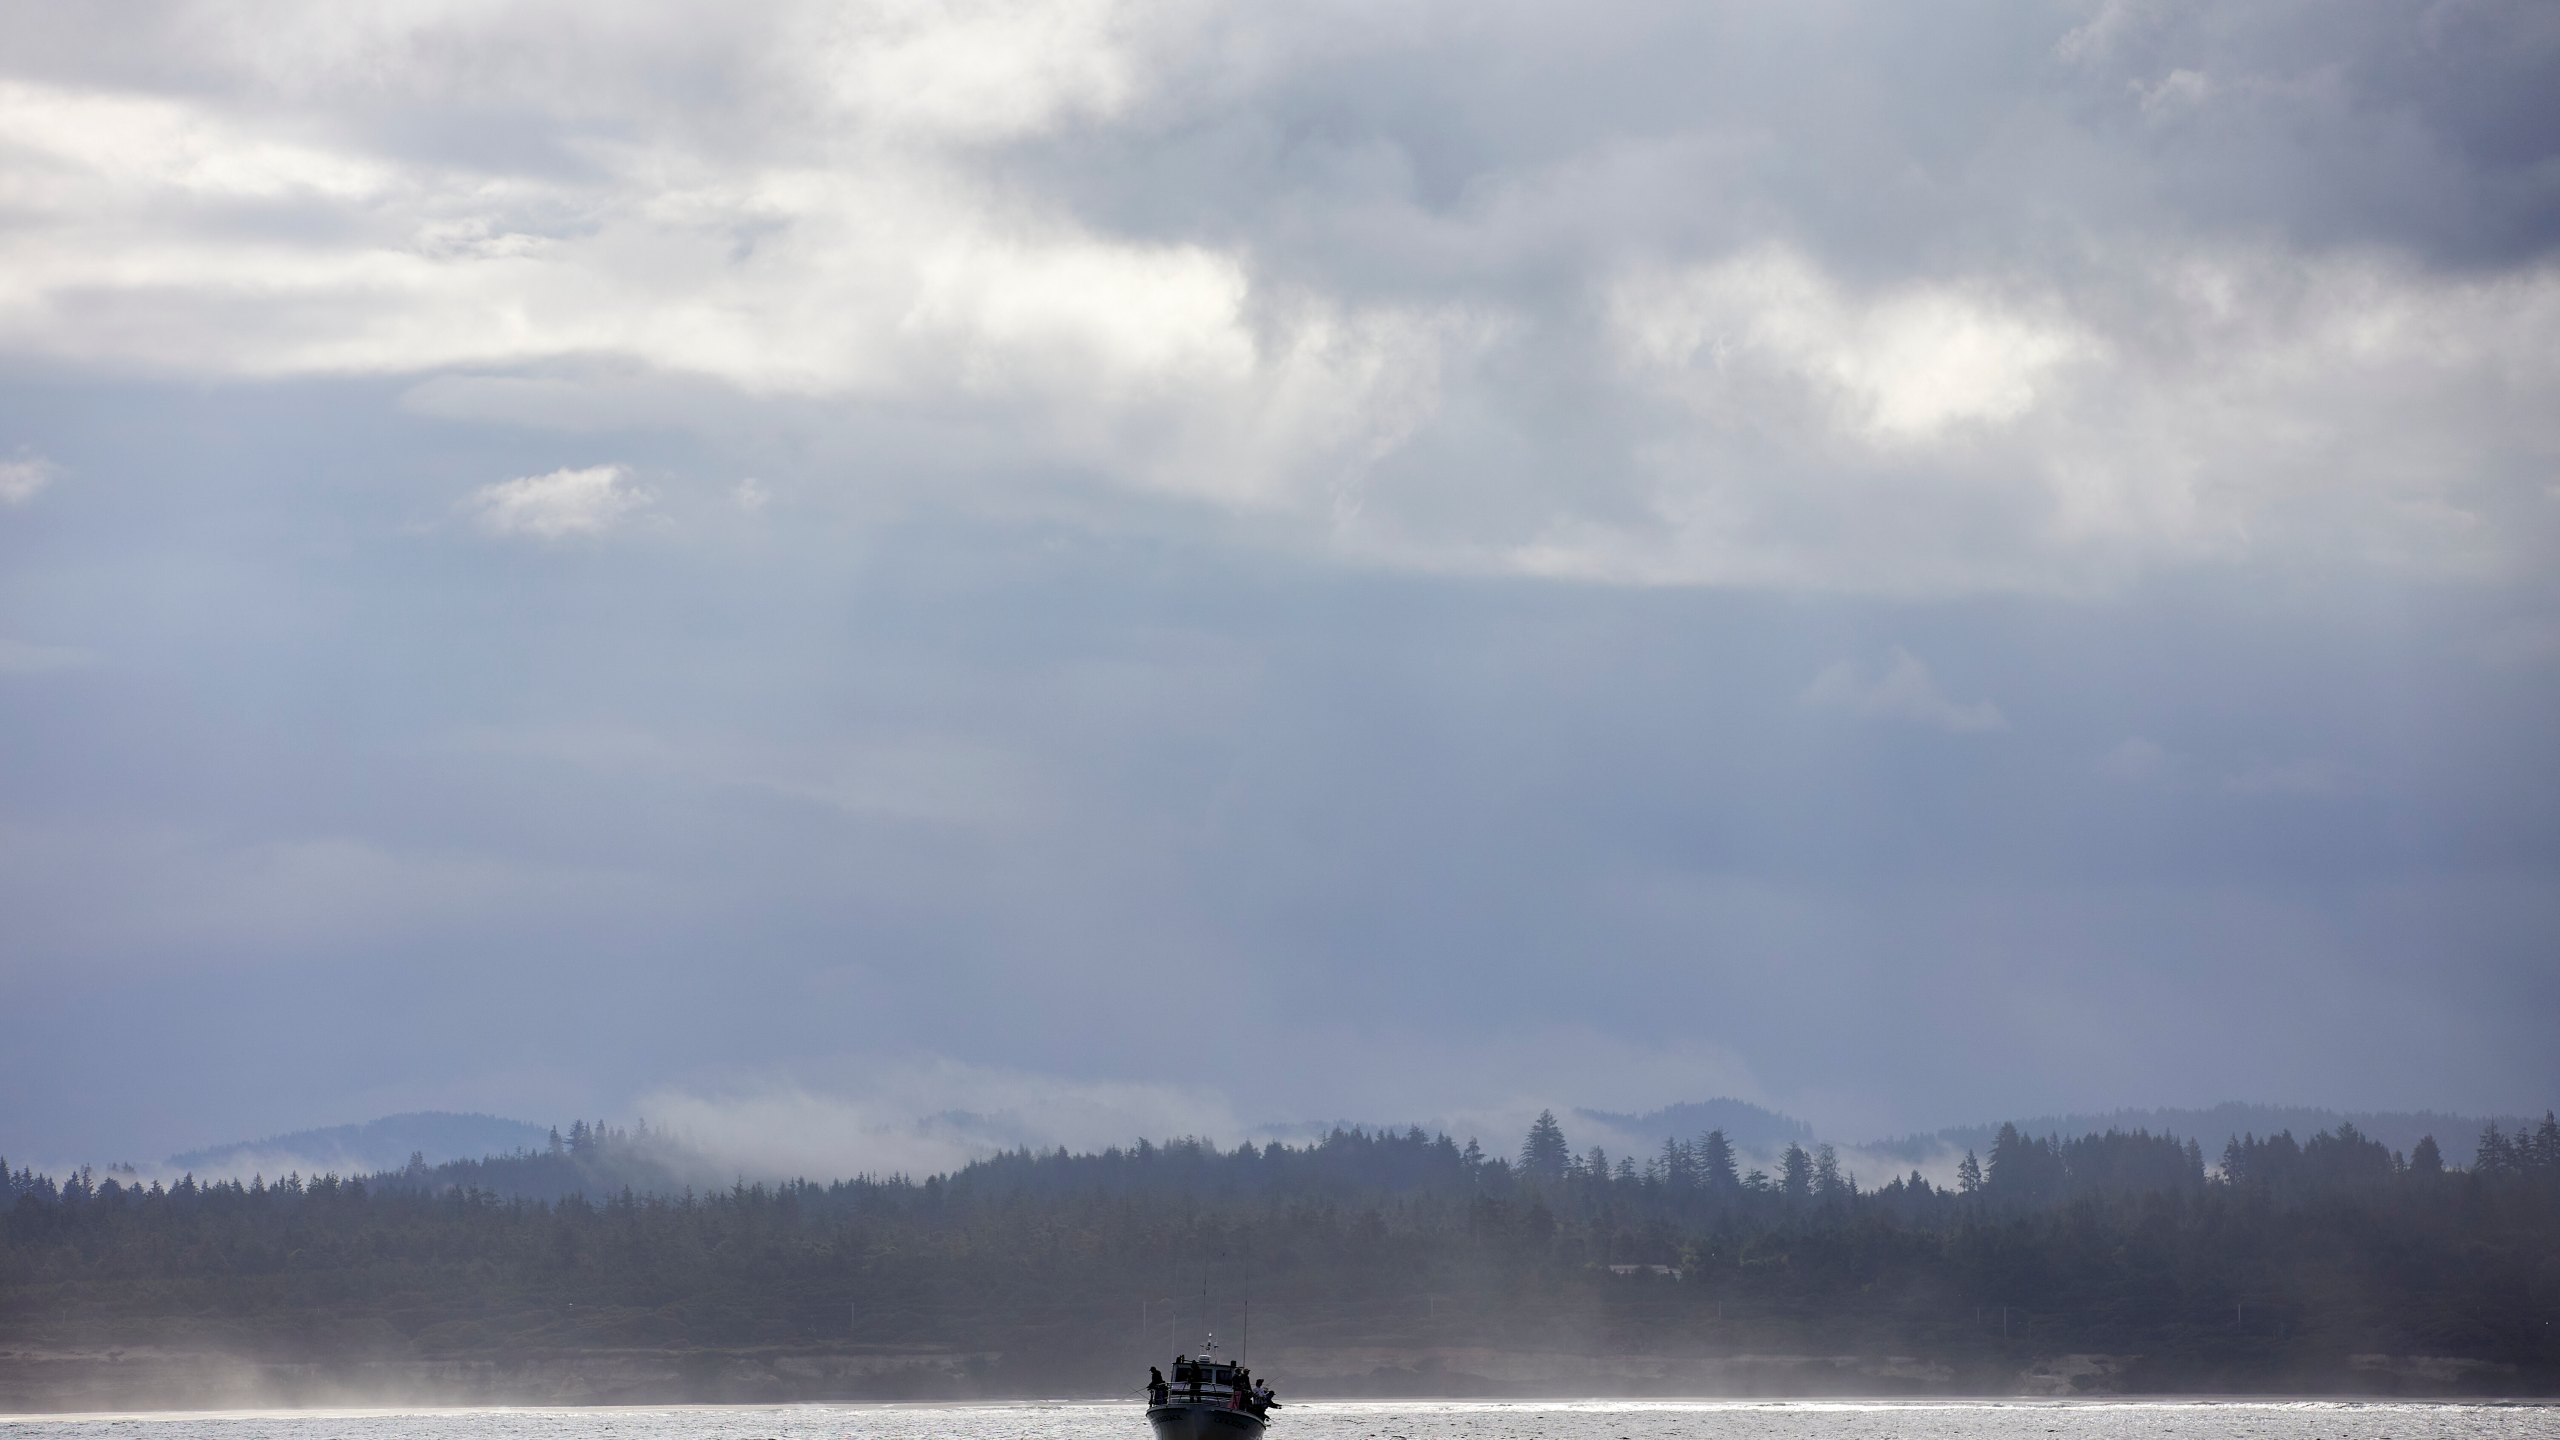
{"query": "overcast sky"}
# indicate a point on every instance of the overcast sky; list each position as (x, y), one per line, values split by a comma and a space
(1161, 566)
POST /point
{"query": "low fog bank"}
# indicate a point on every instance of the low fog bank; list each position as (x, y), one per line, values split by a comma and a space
(390, 1143)
(127, 1381)
(2456, 1136)
(923, 1120)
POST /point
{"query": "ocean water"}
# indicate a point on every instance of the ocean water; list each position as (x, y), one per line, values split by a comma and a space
(1384, 1420)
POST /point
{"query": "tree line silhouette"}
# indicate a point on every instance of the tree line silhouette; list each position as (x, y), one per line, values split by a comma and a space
(1050, 1272)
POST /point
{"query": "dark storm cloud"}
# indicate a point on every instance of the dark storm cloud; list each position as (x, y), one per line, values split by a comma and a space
(1891, 137)
(801, 567)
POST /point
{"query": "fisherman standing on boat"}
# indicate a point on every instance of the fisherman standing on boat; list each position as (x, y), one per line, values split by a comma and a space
(1207, 1397)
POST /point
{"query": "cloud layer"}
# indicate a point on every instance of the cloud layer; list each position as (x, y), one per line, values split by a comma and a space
(808, 564)
(2021, 296)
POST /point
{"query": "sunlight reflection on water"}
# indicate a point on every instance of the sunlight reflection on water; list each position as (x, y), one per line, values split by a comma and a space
(1382, 1420)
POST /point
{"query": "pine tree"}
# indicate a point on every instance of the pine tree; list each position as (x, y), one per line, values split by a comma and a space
(2007, 1169)
(1796, 1172)
(1969, 1175)
(1544, 1155)
(1679, 1169)
(1715, 1163)
(1826, 1173)
(2497, 1153)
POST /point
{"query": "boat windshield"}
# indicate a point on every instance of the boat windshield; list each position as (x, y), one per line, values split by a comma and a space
(1205, 1372)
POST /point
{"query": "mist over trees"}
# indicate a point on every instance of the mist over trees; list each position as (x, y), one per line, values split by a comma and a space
(2400, 1129)
(2275, 1268)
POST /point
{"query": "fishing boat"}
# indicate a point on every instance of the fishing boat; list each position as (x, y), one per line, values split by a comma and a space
(1208, 1398)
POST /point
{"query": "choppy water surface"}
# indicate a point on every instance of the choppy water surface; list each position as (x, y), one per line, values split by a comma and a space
(1590, 1420)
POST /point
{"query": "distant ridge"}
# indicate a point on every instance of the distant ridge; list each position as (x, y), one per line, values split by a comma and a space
(1747, 1125)
(2458, 1136)
(384, 1144)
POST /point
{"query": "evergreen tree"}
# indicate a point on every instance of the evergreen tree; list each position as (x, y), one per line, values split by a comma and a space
(1969, 1175)
(1679, 1167)
(2497, 1153)
(1716, 1169)
(1826, 1173)
(1544, 1155)
(1796, 1171)
(2008, 1161)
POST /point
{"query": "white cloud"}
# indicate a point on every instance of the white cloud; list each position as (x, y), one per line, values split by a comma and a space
(1902, 689)
(22, 479)
(979, 72)
(2095, 37)
(2167, 405)
(1900, 367)
(920, 213)
(2177, 94)
(926, 1116)
(559, 505)
(824, 225)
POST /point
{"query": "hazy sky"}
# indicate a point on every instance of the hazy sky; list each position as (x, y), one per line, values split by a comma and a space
(1159, 566)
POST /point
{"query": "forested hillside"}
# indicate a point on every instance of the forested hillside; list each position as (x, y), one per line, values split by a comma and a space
(1363, 1262)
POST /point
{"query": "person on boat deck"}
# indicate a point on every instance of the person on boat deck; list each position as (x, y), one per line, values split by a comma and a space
(1157, 1390)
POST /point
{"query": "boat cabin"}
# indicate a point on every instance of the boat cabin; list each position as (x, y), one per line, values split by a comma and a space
(1203, 1381)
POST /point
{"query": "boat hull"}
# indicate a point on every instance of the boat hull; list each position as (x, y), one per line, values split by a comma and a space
(1203, 1422)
